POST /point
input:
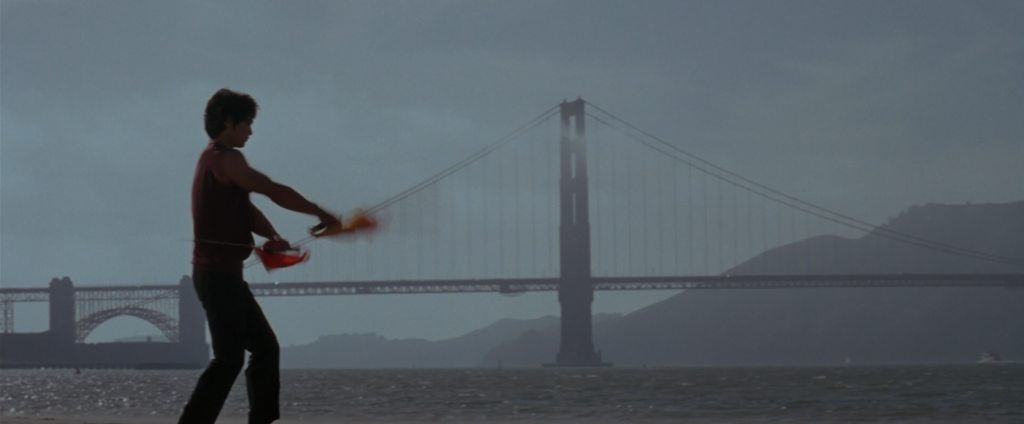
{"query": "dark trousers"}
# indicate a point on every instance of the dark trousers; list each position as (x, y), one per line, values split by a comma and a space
(237, 324)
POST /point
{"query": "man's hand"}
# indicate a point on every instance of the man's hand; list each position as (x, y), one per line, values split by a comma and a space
(276, 245)
(326, 220)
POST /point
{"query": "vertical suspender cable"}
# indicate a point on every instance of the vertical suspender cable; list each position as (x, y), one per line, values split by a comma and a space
(533, 214)
(485, 248)
(794, 221)
(779, 236)
(615, 219)
(735, 229)
(412, 253)
(834, 260)
(417, 232)
(751, 214)
(501, 217)
(469, 223)
(629, 211)
(764, 230)
(451, 232)
(418, 239)
(644, 211)
(675, 217)
(689, 215)
(660, 251)
(721, 235)
(415, 216)
(793, 257)
(704, 185)
(517, 228)
(594, 165)
(551, 213)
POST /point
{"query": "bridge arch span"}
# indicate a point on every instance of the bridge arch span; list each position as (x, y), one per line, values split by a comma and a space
(166, 324)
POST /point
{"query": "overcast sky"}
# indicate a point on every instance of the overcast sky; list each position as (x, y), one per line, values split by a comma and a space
(865, 107)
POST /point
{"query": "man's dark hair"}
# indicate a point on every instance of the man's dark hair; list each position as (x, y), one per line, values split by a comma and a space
(225, 104)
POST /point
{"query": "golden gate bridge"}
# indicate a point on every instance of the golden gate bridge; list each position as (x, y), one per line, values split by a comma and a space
(630, 211)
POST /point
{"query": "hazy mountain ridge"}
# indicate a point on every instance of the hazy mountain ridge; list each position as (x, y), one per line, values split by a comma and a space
(986, 228)
(826, 326)
(535, 347)
(371, 350)
(374, 351)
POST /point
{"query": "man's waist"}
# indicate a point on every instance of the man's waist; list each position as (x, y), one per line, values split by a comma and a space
(219, 264)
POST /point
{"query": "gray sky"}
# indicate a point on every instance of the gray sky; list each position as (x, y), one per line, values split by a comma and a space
(865, 107)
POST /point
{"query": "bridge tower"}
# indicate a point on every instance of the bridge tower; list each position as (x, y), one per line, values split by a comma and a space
(575, 293)
(62, 311)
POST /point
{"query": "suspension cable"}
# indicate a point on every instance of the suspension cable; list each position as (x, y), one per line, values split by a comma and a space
(794, 202)
(434, 179)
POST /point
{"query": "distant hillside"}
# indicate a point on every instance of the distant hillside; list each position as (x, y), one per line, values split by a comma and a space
(535, 347)
(466, 351)
(374, 351)
(825, 326)
(987, 228)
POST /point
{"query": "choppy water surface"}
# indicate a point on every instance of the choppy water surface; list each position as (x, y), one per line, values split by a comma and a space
(992, 393)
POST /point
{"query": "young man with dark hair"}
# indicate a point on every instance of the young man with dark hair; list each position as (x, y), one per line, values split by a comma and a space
(224, 221)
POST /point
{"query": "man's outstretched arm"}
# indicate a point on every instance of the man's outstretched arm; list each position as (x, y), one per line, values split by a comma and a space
(236, 170)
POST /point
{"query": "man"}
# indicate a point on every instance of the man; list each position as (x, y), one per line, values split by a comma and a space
(224, 221)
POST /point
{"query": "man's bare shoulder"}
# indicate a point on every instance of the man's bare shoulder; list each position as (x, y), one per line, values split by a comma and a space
(233, 160)
(231, 166)
(236, 170)
(235, 154)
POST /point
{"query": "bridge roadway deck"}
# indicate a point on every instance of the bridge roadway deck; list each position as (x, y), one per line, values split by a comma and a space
(551, 284)
(640, 283)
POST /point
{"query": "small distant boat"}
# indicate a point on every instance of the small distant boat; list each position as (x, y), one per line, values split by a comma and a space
(990, 357)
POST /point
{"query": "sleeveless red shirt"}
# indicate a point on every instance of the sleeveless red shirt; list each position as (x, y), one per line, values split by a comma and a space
(220, 213)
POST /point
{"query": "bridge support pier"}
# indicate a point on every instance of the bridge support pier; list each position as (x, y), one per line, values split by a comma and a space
(62, 311)
(577, 347)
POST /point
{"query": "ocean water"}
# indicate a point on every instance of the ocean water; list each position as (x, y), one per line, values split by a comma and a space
(990, 393)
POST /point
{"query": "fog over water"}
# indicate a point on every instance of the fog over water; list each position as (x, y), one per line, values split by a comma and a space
(866, 108)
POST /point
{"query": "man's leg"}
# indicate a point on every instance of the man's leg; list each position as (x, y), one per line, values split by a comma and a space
(262, 377)
(223, 299)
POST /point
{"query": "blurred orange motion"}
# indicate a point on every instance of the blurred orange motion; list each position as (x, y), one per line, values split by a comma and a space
(361, 221)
